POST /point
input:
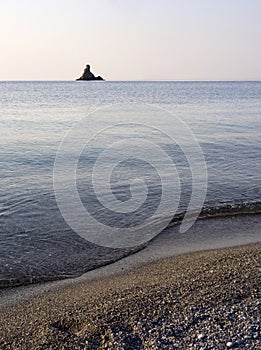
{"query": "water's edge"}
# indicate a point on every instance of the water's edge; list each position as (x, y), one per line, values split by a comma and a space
(223, 210)
(224, 232)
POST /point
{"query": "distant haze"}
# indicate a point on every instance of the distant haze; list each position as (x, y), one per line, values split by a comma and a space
(131, 39)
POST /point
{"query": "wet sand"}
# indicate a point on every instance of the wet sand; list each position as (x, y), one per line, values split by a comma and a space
(200, 300)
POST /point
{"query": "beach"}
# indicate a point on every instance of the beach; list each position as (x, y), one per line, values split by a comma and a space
(130, 201)
(198, 300)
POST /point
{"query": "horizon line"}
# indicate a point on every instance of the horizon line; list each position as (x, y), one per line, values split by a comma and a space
(137, 80)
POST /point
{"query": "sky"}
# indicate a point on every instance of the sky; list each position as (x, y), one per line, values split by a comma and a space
(130, 39)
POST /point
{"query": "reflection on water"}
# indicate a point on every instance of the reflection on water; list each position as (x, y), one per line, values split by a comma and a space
(35, 242)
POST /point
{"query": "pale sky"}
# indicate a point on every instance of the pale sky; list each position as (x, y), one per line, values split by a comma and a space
(130, 39)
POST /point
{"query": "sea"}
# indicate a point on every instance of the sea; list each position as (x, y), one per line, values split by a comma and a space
(92, 171)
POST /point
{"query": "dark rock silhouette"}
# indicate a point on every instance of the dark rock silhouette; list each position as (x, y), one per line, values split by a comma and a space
(88, 75)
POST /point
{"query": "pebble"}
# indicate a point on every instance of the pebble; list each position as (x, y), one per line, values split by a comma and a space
(201, 336)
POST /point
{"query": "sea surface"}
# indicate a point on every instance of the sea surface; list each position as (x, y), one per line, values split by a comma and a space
(38, 243)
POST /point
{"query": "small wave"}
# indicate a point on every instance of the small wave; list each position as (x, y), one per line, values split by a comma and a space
(213, 210)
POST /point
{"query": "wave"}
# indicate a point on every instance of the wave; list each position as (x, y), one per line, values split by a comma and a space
(214, 210)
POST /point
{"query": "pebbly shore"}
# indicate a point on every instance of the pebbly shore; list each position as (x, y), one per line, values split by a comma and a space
(204, 300)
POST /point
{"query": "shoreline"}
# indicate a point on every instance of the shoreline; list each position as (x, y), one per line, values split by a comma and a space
(198, 300)
(92, 257)
(222, 211)
(207, 234)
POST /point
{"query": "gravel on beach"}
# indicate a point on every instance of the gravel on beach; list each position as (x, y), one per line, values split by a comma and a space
(204, 300)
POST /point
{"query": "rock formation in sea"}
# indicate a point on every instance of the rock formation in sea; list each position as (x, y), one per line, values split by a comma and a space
(88, 75)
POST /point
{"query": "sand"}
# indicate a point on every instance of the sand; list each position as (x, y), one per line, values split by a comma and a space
(202, 300)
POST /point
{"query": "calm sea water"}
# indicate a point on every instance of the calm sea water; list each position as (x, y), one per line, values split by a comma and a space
(36, 243)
